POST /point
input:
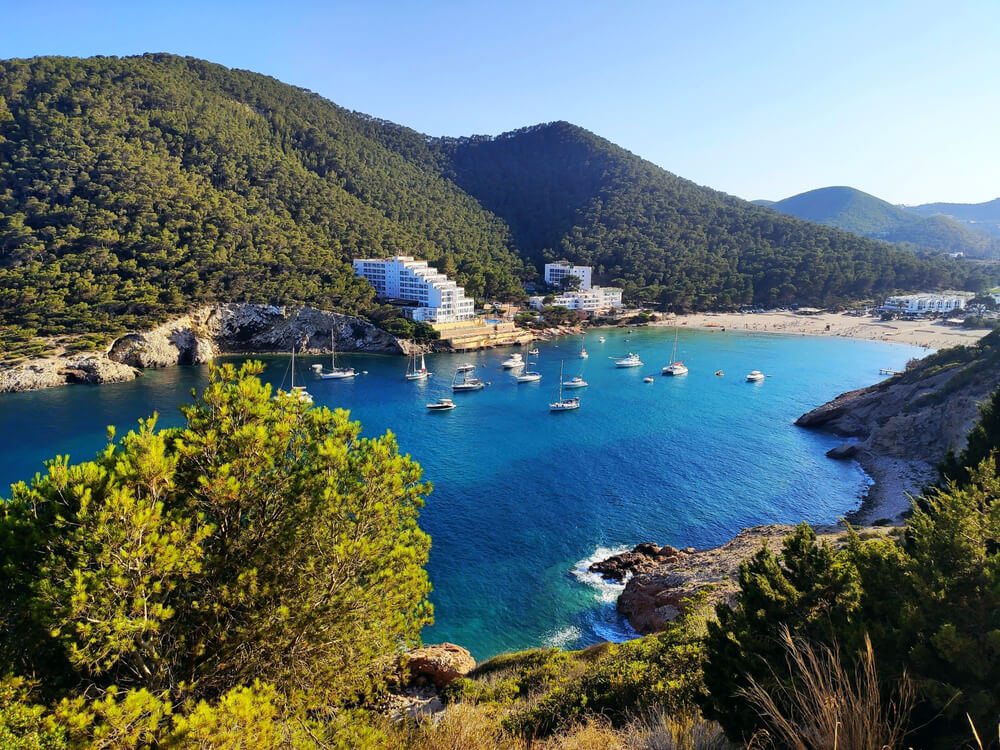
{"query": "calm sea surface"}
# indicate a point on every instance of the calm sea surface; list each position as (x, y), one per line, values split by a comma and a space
(523, 499)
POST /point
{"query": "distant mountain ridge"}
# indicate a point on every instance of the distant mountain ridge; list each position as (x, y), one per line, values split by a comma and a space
(979, 217)
(855, 211)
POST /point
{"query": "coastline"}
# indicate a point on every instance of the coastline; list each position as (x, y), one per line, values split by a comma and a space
(930, 335)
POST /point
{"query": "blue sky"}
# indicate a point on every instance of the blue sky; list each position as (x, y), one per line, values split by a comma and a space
(761, 99)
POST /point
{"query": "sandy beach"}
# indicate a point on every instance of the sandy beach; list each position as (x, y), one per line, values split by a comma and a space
(925, 333)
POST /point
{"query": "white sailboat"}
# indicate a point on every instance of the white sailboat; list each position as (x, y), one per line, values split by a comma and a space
(563, 404)
(335, 373)
(416, 373)
(529, 376)
(675, 367)
(297, 392)
(466, 383)
(583, 349)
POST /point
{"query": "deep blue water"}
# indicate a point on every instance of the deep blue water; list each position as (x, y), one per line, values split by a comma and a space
(523, 498)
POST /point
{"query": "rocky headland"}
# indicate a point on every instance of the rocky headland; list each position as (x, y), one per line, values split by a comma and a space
(659, 581)
(201, 335)
(900, 429)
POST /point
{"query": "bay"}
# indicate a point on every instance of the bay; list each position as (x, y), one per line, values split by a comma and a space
(524, 499)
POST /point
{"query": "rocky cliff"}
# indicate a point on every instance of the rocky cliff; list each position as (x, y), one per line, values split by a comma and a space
(901, 428)
(199, 336)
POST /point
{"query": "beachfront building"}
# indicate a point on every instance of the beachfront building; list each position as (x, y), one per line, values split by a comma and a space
(556, 272)
(925, 304)
(422, 293)
(594, 299)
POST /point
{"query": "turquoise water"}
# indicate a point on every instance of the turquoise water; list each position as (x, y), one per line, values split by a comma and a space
(522, 498)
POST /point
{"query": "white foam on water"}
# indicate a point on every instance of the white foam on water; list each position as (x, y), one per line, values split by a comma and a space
(563, 638)
(605, 591)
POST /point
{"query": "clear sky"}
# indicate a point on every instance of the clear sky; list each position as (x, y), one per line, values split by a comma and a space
(759, 99)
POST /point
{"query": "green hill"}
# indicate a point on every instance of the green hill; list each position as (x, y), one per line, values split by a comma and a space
(979, 217)
(861, 213)
(133, 189)
(565, 192)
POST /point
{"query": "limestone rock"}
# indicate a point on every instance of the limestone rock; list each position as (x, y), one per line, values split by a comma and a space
(440, 664)
(642, 558)
(49, 372)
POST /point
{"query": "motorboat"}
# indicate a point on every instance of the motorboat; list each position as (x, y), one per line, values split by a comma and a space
(563, 404)
(648, 379)
(442, 404)
(577, 382)
(335, 373)
(755, 376)
(675, 367)
(416, 373)
(602, 339)
(533, 351)
(466, 383)
(513, 362)
(720, 373)
(632, 360)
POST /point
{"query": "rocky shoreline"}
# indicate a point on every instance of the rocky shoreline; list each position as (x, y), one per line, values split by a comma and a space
(659, 580)
(199, 337)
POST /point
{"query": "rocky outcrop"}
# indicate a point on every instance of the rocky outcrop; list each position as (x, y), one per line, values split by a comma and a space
(200, 336)
(642, 558)
(901, 428)
(49, 372)
(246, 328)
(657, 591)
(439, 664)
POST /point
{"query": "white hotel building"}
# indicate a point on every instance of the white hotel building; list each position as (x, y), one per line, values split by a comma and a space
(435, 298)
(923, 304)
(556, 272)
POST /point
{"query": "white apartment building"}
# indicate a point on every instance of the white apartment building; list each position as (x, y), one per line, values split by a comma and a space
(436, 299)
(556, 272)
(594, 299)
(922, 304)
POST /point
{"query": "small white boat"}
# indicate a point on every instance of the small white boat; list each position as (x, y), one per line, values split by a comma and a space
(675, 367)
(442, 404)
(563, 404)
(632, 360)
(529, 377)
(513, 362)
(335, 373)
(648, 379)
(533, 352)
(297, 392)
(577, 382)
(601, 339)
(416, 373)
(466, 383)
(583, 349)
(465, 367)
(755, 376)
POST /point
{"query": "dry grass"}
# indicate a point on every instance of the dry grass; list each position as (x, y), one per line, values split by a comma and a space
(826, 708)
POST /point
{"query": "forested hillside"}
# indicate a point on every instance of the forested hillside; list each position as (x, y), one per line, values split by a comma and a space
(134, 188)
(567, 193)
(855, 211)
(979, 217)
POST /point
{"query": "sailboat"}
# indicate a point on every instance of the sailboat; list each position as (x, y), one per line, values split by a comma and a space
(563, 404)
(529, 376)
(335, 373)
(466, 383)
(416, 373)
(583, 350)
(297, 392)
(675, 367)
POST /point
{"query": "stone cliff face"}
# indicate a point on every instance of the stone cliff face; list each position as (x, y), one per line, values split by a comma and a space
(199, 336)
(234, 328)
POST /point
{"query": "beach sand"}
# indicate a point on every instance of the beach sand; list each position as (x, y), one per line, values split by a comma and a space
(925, 333)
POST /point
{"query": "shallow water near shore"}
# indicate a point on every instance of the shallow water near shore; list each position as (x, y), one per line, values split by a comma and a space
(523, 499)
